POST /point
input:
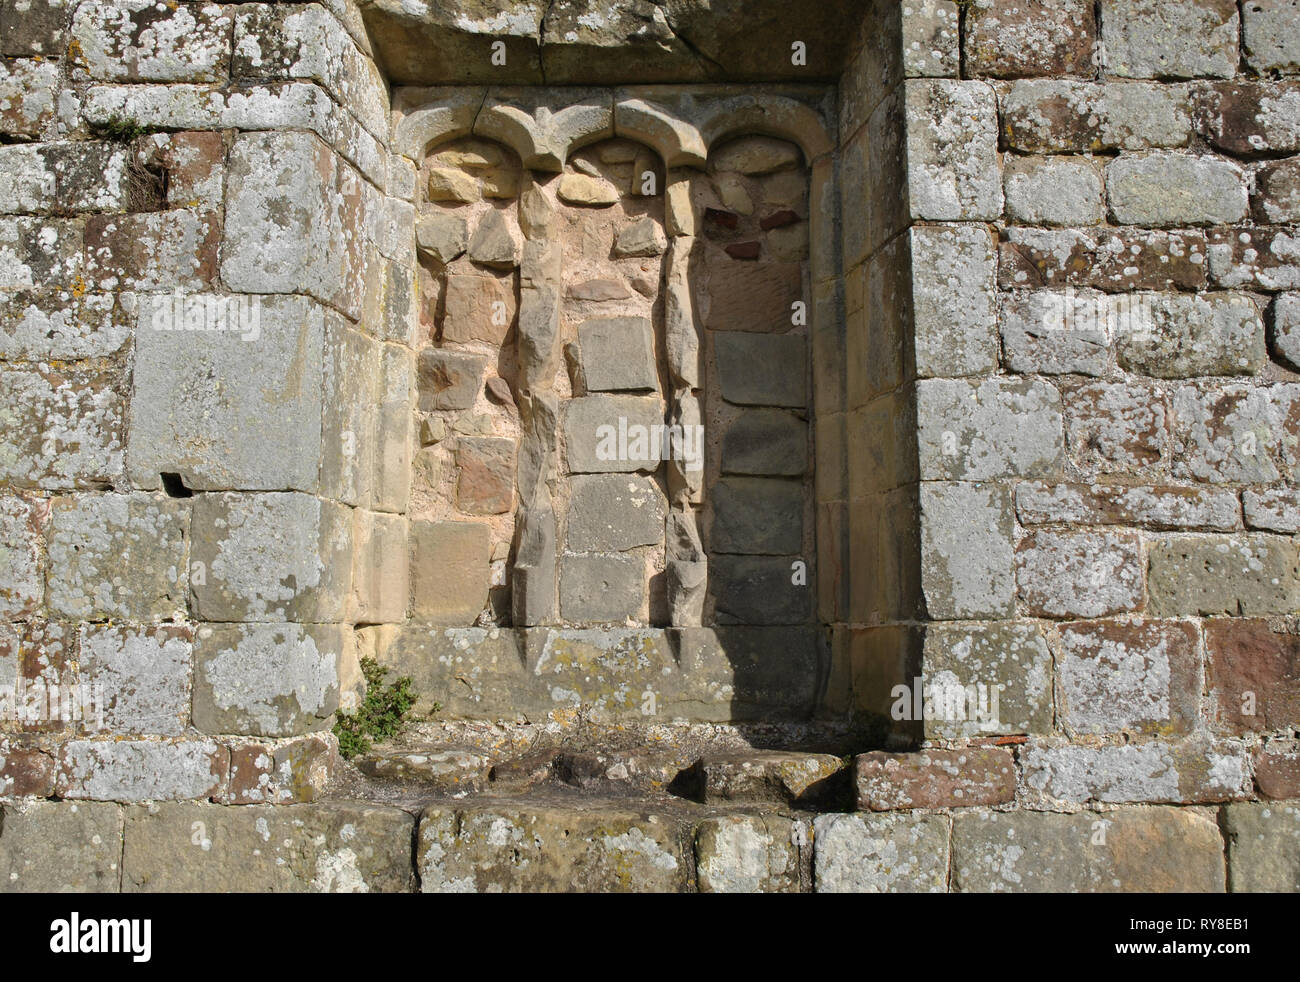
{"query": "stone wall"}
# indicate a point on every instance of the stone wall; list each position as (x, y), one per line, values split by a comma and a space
(989, 313)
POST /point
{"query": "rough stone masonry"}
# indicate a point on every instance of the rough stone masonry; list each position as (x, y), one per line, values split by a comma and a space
(790, 446)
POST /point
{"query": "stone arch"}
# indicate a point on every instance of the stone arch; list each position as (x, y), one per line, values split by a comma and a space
(776, 116)
(677, 141)
(447, 115)
(542, 136)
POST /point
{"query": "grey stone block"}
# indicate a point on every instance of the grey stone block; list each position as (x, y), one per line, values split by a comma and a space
(1164, 189)
(953, 309)
(966, 550)
(747, 854)
(1263, 847)
(880, 853)
(450, 571)
(756, 516)
(1170, 38)
(986, 679)
(977, 431)
(618, 354)
(231, 410)
(602, 589)
(766, 442)
(613, 434)
(448, 379)
(614, 513)
(60, 847)
(266, 679)
(762, 369)
(271, 557)
(118, 556)
(758, 590)
(144, 673)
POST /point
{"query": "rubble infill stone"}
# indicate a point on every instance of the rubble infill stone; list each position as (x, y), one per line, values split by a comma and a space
(494, 848)
(442, 771)
(934, 779)
(1139, 849)
(316, 848)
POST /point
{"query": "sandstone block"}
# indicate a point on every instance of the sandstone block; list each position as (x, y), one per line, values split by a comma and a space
(1163, 189)
(762, 369)
(1180, 336)
(766, 442)
(952, 151)
(880, 853)
(607, 589)
(1247, 575)
(613, 434)
(966, 550)
(985, 679)
(757, 516)
(1170, 38)
(1263, 847)
(449, 571)
(1083, 574)
(934, 779)
(977, 431)
(144, 673)
(64, 428)
(618, 354)
(61, 847)
(747, 854)
(758, 590)
(142, 770)
(1053, 191)
(1009, 38)
(614, 513)
(953, 313)
(1253, 676)
(1269, 37)
(448, 379)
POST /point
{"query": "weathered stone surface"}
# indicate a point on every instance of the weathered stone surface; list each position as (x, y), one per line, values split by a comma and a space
(72, 177)
(984, 679)
(496, 241)
(765, 442)
(1180, 336)
(41, 324)
(1111, 259)
(448, 379)
(318, 848)
(1163, 189)
(1236, 433)
(1051, 115)
(1055, 332)
(26, 771)
(479, 308)
(952, 170)
(976, 431)
(1269, 38)
(1083, 574)
(1116, 427)
(1252, 675)
(260, 427)
(1117, 676)
(118, 556)
(751, 298)
(612, 434)
(1010, 38)
(1161, 508)
(1272, 510)
(614, 513)
(437, 771)
(1146, 849)
(1277, 770)
(762, 369)
(1263, 847)
(1195, 770)
(608, 589)
(756, 516)
(62, 427)
(1250, 119)
(1254, 258)
(881, 853)
(133, 41)
(618, 354)
(585, 190)
(1277, 192)
(271, 557)
(1245, 575)
(771, 776)
(487, 849)
(758, 590)
(643, 237)
(27, 95)
(443, 235)
(144, 673)
(22, 555)
(449, 184)
(966, 550)
(449, 571)
(142, 770)
(485, 483)
(1170, 38)
(281, 772)
(1053, 191)
(266, 679)
(60, 847)
(747, 854)
(954, 318)
(934, 779)
(380, 586)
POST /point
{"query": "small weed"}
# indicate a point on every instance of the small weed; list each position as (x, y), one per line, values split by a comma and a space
(119, 130)
(381, 714)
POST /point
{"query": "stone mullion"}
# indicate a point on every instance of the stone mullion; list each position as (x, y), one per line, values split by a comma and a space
(534, 596)
(685, 560)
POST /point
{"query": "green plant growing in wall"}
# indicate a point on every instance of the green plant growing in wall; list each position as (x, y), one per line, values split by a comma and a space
(119, 130)
(381, 714)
